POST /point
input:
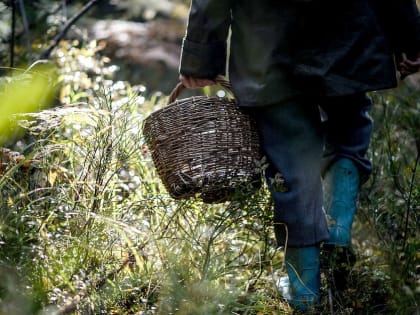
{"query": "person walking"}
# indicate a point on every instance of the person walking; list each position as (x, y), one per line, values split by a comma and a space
(302, 69)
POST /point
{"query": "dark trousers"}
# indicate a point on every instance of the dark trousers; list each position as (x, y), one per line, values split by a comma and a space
(301, 138)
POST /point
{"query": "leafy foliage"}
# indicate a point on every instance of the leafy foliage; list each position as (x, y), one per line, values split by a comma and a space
(87, 228)
(37, 84)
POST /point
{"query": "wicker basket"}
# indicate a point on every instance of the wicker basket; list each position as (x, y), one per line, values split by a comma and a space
(203, 146)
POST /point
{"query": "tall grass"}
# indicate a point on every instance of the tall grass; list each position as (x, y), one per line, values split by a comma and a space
(101, 235)
(86, 226)
(391, 200)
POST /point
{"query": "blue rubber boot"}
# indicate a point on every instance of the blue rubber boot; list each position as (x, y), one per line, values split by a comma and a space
(303, 270)
(341, 190)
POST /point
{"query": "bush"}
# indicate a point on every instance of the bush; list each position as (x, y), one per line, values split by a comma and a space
(87, 228)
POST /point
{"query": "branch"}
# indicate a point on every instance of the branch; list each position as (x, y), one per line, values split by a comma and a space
(42, 17)
(75, 302)
(25, 24)
(410, 194)
(12, 39)
(70, 23)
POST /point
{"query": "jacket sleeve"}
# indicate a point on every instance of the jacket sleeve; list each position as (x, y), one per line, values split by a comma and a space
(204, 46)
(401, 22)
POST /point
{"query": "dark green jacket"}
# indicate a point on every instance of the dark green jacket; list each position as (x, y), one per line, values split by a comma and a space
(283, 48)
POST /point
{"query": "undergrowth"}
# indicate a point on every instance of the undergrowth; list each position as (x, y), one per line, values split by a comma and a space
(86, 226)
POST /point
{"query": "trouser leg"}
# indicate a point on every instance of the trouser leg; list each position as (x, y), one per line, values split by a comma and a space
(348, 130)
(291, 138)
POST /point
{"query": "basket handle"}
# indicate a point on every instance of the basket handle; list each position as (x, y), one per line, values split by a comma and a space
(180, 87)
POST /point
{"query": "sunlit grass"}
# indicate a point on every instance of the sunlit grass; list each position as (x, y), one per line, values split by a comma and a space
(24, 92)
(86, 226)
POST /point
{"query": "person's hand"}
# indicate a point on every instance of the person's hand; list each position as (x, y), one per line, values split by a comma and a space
(194, 83)
(407, 65)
